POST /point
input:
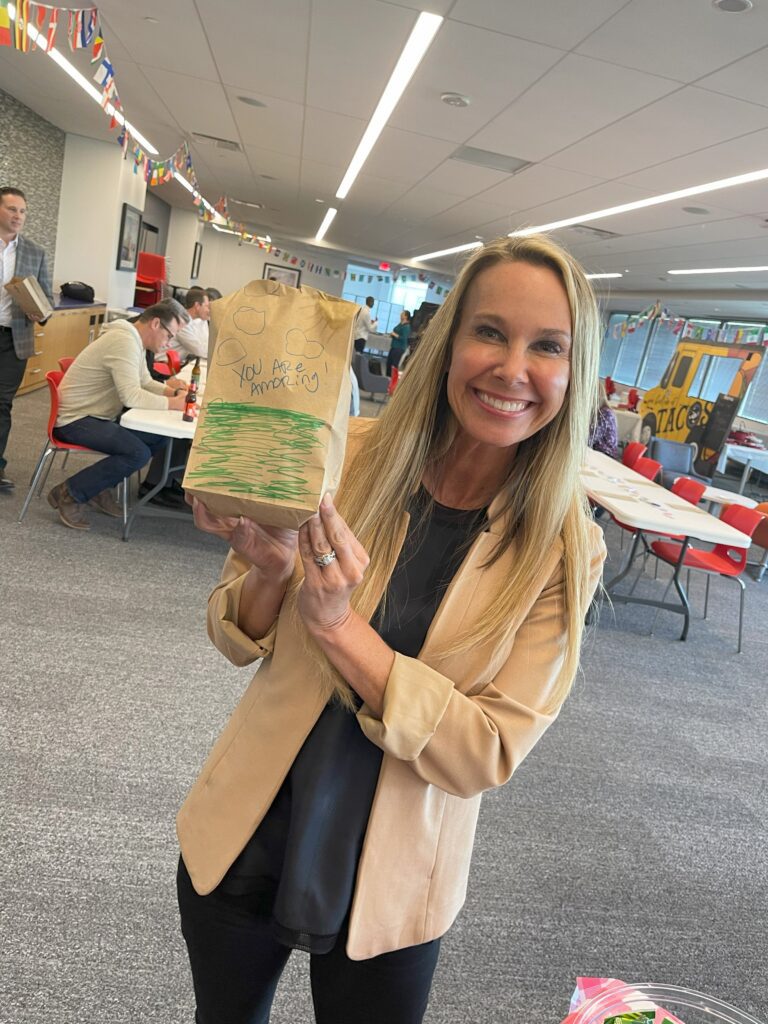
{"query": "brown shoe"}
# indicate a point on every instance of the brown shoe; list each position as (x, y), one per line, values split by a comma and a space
(107, 503)
(71, 512)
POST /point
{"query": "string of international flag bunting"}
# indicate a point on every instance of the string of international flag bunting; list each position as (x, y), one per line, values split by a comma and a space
(34, 25)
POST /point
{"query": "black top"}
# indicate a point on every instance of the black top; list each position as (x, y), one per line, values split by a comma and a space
(300, 864)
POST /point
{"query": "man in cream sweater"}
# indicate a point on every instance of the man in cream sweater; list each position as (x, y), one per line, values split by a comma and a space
(108, 376)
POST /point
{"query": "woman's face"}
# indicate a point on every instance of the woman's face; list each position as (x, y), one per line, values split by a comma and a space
(511, 358)
(403, 318)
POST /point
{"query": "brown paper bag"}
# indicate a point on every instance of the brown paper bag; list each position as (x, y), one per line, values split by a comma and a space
(27, 293)
(270, 438)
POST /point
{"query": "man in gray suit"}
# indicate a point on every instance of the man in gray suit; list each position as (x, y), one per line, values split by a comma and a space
(18, 258)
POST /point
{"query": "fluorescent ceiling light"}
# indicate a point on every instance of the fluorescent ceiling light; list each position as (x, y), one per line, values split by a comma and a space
(447, 252)
(720, 270)
(612, 211)
(330, 213)
(418, 43)
(597, 277)
(41, 41)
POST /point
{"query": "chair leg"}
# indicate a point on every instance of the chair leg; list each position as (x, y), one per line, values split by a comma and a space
(64, 463)
(44, 479)
(706, 597)
(741, 609)
(41, 462)
(124, 486)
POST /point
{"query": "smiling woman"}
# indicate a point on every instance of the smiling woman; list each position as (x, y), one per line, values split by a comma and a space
(416, 639)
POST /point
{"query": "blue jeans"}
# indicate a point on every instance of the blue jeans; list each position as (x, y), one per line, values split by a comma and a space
(127, 451)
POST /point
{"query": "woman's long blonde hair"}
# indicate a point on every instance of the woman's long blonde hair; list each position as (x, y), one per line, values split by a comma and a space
(543, 500)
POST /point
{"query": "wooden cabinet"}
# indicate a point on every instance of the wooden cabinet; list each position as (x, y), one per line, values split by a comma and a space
(66, 334)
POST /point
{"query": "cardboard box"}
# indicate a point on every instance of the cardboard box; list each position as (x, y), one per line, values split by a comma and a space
(27, 293)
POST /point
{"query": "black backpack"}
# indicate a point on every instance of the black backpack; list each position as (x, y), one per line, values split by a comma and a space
(78, 291)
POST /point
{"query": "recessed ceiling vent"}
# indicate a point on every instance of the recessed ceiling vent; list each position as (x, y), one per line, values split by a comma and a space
(590, 232)
(212, 140)
(485, 158)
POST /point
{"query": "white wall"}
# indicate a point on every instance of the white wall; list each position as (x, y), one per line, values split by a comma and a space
(184, 229)
(227, 265)
(96, 181)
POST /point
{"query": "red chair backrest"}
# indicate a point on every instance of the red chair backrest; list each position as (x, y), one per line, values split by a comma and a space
(54, 379)
(688, 490)
(648, 468)
(163, 368)
(633, 451)
(65, 362)
(174, 359)
(151, 266)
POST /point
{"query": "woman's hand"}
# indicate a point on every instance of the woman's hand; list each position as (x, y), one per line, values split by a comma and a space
(324, 596)
(271, 549)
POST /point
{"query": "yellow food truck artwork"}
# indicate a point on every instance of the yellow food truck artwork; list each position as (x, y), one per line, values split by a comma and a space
(674, 409)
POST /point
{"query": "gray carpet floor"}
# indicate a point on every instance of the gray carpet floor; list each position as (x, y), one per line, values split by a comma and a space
(632, 842)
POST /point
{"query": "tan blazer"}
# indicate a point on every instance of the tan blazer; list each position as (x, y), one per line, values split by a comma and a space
(451, 728)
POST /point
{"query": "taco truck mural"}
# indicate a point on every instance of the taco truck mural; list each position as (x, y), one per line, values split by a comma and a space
(699, 395)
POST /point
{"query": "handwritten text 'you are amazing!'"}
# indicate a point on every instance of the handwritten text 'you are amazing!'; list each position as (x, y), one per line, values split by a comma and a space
(284, 374)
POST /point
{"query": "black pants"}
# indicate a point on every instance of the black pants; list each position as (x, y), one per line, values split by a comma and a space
(360, 344)
(11, 375)
(393, 359)
(236, 965)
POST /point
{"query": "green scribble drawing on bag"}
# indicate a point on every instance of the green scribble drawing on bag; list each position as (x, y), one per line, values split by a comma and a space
(250, 450)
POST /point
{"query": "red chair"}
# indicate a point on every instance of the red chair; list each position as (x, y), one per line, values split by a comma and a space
(150, 277)
(173, 359)
(722, 560)
(169, 365)
(65, 362)
(649, 468)
(52, 445)
(688, 490)
(393, 379)
(633, 451)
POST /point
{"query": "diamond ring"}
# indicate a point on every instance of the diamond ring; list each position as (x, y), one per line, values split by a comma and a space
(325, 559)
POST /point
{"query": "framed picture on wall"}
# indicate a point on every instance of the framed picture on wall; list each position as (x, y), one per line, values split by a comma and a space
(196, 257)
(128, 239)
(285, 275)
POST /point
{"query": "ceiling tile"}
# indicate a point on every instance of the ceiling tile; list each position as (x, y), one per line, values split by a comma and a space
(354, 47)
(451, 65)
(277, 126)
(687, 120)
(463, 179)
(405, 156)
(147, 42)
(711, 164)
(539, 184)
(560, 23)
(540, 123)
(684, 40)
(263, 49)
(331, 138)
(195, 108)
(745, 79)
